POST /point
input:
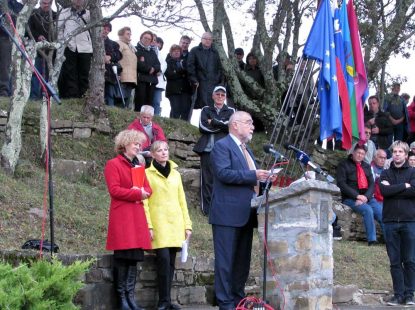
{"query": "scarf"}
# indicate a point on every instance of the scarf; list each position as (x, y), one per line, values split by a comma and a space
(164, 170)
(361, 177)
(134, 162)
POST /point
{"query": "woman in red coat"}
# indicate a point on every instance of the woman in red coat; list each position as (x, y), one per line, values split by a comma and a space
(128, 232)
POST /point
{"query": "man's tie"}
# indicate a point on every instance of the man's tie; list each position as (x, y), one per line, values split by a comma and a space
(250, 162)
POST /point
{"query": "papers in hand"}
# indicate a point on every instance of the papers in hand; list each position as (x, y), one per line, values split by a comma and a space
(185, 248)
(137, 174)
(274, 171)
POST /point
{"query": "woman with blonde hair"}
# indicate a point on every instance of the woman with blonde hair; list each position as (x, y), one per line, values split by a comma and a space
(128, 234)
(168, 218)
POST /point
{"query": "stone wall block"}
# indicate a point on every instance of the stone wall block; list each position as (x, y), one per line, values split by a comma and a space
(104, 261)
(304, 242)
(205, 264)
(59, 124)
(179, 275)
(342, 294)
(189, 279)
(148, 275)
(94, 276)
(82, 133)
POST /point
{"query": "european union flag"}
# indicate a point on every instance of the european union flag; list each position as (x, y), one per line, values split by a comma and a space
(320, 46)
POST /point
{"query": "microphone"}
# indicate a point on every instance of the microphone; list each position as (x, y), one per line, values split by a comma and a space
(305, 159)
(269, 149)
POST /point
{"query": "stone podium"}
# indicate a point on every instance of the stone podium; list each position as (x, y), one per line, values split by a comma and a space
(299, 245)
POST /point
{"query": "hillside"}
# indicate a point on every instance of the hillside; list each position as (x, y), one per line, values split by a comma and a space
(81, 207)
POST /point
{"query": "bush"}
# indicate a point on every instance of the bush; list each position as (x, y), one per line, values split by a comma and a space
(42, 285)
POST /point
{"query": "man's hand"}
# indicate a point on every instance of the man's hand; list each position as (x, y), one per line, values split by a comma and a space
(262, 175)
(361, 199)
(188, 233)
(107, 59)
(407, 185)
(152, 70)
(371, 121)
(41, 38)
(375, 130)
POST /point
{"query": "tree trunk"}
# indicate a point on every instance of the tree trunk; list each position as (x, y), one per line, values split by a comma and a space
(94, 105)
(22, 74)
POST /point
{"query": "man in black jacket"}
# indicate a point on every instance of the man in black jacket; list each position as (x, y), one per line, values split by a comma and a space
(205, 70)
(356, 183)
(41, 25)
(379, 123)
(112, 57)
(6, 46)
(397, 185)
(213, 125)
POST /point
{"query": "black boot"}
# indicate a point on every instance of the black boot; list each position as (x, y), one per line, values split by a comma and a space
(131, 280)
(120, 278)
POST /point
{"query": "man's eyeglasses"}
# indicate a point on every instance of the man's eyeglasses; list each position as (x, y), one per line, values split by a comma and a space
(367, 132)
(247, 122)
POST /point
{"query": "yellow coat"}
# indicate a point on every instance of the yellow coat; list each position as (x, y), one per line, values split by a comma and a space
(166, 209)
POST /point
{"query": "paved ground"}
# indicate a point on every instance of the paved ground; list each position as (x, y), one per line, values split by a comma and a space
(346, 307)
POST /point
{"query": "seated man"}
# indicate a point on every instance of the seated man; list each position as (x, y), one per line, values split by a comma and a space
(356, 183)
(152, 131)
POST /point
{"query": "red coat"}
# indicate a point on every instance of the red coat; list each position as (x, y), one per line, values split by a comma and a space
(411, 114)
(158, 134)
(127, 224)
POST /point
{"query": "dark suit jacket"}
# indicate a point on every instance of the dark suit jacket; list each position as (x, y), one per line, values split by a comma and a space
(233, 185)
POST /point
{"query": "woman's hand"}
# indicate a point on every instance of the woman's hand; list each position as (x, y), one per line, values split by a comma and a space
(144, 194)
(151, 234)
(188, 233)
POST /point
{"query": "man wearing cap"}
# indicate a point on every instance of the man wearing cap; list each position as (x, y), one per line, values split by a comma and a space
(239, 54)
(357, 185)
(213, 125)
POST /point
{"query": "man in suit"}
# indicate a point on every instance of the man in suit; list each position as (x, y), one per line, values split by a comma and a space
(232, 218)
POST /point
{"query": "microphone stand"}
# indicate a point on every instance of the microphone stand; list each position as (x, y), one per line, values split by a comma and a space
(265, 196)
(53, 93)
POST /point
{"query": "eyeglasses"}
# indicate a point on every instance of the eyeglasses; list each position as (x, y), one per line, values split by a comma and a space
(220, 94)
(249, 122)
(367, 132)
(207, 39)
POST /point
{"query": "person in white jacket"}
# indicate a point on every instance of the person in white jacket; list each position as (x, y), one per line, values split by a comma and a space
(73, 80)
(161, 85)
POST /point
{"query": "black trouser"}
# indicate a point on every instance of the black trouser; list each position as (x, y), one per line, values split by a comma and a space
(5, 61)
(144, 93)
(166, 258)
(74, 77)
(180, 106)
(206, 182)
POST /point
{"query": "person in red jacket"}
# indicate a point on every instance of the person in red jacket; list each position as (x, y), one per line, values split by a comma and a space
(128, 233)
(152, 131)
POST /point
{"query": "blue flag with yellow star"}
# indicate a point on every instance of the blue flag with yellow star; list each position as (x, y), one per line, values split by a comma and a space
(320, 46)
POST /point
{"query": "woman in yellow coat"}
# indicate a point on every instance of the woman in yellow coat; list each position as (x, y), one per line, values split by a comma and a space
(167, 217)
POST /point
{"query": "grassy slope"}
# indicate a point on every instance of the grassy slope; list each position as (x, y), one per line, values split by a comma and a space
(81, 208)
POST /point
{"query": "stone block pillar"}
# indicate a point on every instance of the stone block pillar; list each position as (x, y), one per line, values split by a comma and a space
(300, 246)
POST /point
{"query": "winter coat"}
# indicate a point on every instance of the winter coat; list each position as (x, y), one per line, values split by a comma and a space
(158, 133)
(204, 68)
(112, 49)
(15, 8)
(177, 78)
(346, 176)
(128, 63)
(398, 201)
(411, 114)
(40, 24)
(163, 66)
(68, 22)
(215, 130)
(382, 121)
(146, 59)
(166, 209)
(127, 224)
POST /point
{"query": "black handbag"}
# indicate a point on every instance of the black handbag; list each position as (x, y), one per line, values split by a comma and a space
(34, 244)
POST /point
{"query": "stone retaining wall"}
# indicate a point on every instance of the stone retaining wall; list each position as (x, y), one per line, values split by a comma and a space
(193, 281)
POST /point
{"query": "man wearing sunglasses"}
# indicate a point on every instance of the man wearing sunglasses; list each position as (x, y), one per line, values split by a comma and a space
(213, 125)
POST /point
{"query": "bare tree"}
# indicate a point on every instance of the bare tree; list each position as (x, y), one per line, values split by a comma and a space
(387, 28)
